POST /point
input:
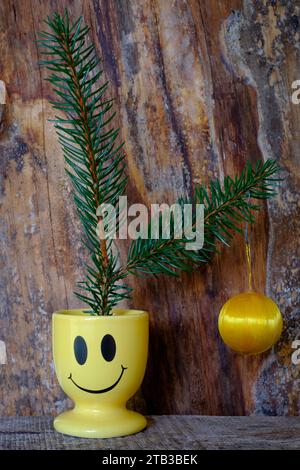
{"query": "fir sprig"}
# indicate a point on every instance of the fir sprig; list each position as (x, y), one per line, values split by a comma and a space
(90, 148)
(95, 162)
(225, 209)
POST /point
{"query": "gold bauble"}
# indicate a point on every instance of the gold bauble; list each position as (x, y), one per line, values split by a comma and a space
(250, 323)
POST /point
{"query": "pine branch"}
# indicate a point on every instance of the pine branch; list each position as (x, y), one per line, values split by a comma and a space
(95, 162)
(224, 210)
(96, 168)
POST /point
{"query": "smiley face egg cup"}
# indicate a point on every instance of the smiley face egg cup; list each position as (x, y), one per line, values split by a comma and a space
(100, 363)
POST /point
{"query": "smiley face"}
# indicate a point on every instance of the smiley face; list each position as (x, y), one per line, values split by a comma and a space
(108, 352)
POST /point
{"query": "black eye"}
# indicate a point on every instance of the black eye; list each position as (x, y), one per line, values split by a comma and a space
(108, 348)
(80, 350)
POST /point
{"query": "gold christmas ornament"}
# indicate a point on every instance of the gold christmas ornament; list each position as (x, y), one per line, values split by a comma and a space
(250, 323)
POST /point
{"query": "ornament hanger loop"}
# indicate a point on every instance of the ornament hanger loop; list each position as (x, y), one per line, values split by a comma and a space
(248, 253)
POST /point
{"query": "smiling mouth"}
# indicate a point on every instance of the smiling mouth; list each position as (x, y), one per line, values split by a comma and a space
(103, 390)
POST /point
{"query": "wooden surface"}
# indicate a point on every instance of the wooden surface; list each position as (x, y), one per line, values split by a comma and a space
(201, 86)
(163, 432)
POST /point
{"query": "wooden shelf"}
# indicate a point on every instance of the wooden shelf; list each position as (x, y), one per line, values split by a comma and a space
(163, 432)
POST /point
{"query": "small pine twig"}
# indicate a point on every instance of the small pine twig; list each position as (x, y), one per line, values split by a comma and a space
(89, 146)
(225, 209)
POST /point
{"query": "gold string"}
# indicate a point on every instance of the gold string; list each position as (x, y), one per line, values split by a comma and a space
(248, 256)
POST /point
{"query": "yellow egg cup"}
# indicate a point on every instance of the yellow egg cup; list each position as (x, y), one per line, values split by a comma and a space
(100, 363)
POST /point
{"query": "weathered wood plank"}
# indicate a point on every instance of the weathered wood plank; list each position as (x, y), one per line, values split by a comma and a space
(162, 433)
(201, 86)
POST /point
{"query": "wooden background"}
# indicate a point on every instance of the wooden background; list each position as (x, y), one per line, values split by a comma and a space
(202, 85)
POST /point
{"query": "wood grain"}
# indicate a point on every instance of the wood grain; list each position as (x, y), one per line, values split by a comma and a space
(201, 86)
(162, 433)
